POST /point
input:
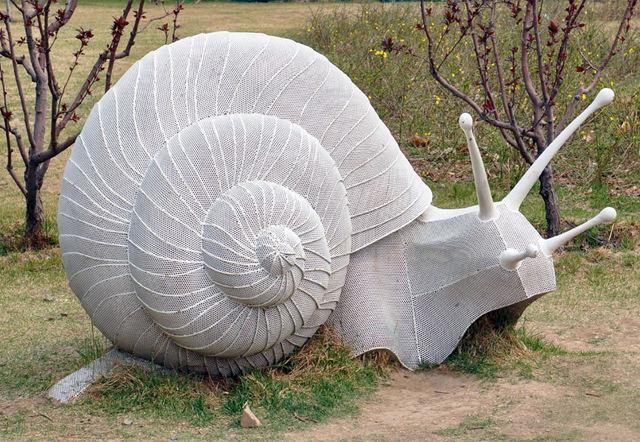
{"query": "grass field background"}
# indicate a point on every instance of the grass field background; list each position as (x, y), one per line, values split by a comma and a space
(581, 340)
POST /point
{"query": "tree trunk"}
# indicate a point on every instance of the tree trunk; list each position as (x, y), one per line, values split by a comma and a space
(34, 232)
(551, 205)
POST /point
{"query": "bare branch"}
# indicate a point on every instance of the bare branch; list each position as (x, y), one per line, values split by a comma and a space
(54, 150)
(620, 35)
(20, 59)
(527, 25)
(517, 142)
(63, 18)
(18, 81)
(546, 100)
(8, 131)
(448, 86)
(116, 33)
(138, 15)
(573, 13)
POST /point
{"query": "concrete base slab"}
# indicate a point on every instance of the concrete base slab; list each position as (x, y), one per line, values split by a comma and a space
(71, 386)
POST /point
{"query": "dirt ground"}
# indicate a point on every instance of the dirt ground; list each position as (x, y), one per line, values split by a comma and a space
(590, 394)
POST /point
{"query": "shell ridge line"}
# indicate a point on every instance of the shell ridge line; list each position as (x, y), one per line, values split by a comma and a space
(240, 216)
(107, 299)
(195, 82)
(170, 296)
(200, 332)
(335, 118)
(409, 207)
(224, 67)
(244, 73)
(348, 132)
(100, 282)
(156, 256)
(370, 159)
(302, 165)
(214, 162)
(203, 301)
(204, 187)
(202, 313)
(155, 96)
(313, 95)
(163, 240)
(221, 151)
(128, 316)
(282, 149)
(139, 178)
(226, 247)
(196, 268)
(378, 175)
(244, 149)
(386, 203)
(358, 144)
(95, 214)
(142, 192)
(258, 148)
(168, 150)
(135, 103)
(90, 182)
(252, 344)
(95, 241)
(186, 85)
(294, 165)
(231, 344)
(172, 89)
(266, 85)
(267, 153)
(158, 167)
(288, 83)
(104, 138)
(95, 171)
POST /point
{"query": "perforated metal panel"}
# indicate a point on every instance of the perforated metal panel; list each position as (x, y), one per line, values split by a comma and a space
(211, 202)
(418, 290)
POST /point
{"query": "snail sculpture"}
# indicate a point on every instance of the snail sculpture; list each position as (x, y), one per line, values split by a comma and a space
(234, 191)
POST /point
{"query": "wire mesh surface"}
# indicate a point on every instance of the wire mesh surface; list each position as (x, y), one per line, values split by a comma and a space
(212, 200)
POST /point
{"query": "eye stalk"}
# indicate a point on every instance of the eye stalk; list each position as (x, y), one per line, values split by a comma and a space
(517, 195)
(511, 259)
(550, 245)
(486, 208)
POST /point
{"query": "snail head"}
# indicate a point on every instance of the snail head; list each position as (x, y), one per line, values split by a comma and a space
(499, 249)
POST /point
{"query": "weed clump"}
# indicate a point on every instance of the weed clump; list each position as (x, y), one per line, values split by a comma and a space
(487, 350)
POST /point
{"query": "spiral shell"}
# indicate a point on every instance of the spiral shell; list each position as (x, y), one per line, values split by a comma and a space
(212, 200)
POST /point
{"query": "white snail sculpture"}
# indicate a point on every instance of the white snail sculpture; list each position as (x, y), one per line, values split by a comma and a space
(234, 190)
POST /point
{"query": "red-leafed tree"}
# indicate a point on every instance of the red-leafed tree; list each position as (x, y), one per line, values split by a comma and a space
(532, 70)
(35, 130)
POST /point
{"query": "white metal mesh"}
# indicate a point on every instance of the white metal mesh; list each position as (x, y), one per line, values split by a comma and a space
(417, 291)
(169, 196)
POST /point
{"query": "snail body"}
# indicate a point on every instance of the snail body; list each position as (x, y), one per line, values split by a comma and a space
(233, 192)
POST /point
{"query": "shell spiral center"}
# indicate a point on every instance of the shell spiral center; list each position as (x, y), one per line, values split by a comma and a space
(250, 252)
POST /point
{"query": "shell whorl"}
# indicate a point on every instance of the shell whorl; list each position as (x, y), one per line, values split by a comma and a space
(231, 264)
(211, 202)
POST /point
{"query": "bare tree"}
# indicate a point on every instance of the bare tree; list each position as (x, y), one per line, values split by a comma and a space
(37, 130)
(533, 69)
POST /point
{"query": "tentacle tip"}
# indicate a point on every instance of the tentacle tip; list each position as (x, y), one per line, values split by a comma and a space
(532, 251)
(511, 259)
(607, 215)
(465, 121)
(605, 96)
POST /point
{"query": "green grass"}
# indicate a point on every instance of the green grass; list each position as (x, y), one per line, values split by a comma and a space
(489, 353)
(320, 381)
